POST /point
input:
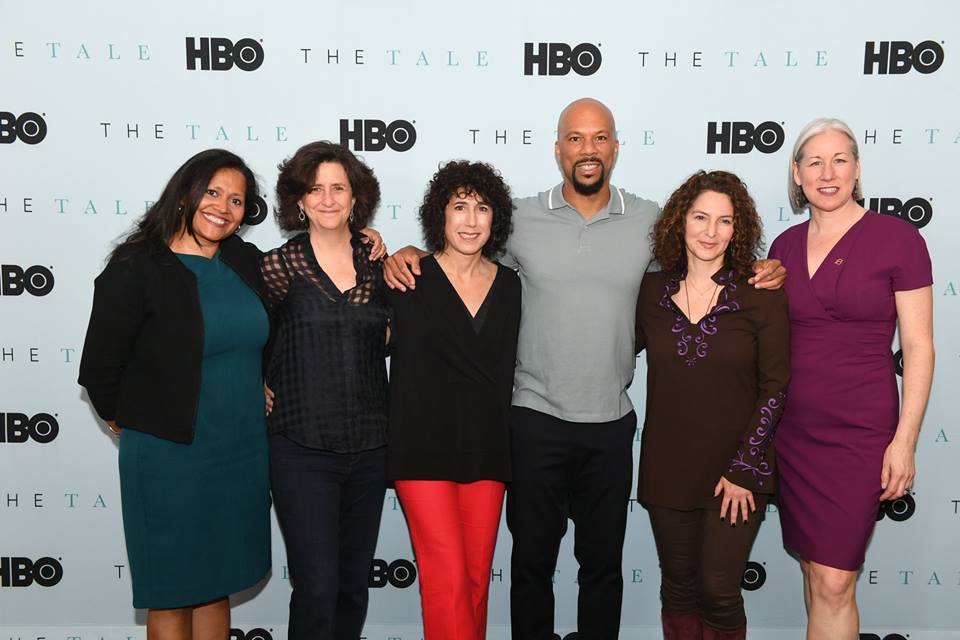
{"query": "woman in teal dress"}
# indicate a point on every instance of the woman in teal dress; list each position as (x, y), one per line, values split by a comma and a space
(172, 363)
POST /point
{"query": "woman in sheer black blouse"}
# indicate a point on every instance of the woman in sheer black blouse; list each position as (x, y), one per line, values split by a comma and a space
(327, 371)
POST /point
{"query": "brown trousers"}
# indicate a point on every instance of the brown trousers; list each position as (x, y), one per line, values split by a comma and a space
(702, 559)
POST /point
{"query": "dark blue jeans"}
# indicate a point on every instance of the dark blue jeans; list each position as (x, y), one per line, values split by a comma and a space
(329, 507)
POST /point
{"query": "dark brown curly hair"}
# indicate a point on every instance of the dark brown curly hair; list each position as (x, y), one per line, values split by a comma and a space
(296, 178)
(746, 244)
(462, 178)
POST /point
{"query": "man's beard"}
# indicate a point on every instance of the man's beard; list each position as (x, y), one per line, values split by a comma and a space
(588, 189)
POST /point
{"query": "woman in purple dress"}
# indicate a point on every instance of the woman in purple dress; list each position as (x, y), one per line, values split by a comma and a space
(844, 444)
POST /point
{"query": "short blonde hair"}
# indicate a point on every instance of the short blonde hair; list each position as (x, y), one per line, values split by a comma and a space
(821, 125)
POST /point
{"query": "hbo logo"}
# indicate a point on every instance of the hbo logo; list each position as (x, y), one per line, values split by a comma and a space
(23, 572)
(898, 362)
(28, 127)
(754, 576)
(14, 280)
(256, 212)
(874, 636)
(376, 135)
(399, 573)
(916, 211)
(19, 427)
(744, 137)
(220, 54)
(256, 633)
(900, 57)
(559, 58)
(897, 510)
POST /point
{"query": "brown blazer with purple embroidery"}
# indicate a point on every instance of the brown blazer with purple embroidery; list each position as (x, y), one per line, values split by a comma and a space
(715, 390)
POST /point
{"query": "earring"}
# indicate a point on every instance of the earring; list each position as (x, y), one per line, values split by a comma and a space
(350, 216)
(302, 216)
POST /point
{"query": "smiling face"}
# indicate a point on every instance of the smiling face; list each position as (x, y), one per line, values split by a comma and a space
(709, 227)
(329, 200)
(586, 145)
(221, 208)
(468, 220)
(827, 170)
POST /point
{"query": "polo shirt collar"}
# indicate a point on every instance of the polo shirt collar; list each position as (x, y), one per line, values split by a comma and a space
(615, 205)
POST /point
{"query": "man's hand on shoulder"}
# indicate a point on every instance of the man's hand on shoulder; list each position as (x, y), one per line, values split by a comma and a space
(768, 274)
(401, 268)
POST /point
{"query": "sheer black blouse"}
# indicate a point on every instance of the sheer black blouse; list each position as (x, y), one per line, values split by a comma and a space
(326, 363)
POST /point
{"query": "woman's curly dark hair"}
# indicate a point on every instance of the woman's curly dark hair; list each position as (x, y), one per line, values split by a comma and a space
(462, 178)
(298, 172)
(746, 244)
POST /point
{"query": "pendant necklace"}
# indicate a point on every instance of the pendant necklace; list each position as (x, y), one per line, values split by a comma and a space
(686, 292)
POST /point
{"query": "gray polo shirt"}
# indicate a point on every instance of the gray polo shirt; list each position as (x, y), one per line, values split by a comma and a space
(580, 281)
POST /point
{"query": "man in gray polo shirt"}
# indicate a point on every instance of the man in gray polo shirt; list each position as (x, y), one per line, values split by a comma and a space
(581, 249)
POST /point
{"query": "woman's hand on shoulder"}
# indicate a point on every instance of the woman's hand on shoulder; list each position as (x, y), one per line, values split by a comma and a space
(736, 499)
(379, 248)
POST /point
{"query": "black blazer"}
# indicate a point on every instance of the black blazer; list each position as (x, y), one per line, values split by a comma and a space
(144, 346)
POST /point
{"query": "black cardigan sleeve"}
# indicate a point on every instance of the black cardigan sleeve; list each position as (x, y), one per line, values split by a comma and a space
(115, 321)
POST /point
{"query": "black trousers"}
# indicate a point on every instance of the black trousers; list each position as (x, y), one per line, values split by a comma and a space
(702, 559)
(561, 469)
(329, 507)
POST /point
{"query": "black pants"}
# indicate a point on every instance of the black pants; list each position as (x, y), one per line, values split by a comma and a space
(561, 469)
(329, 507)
(702, 559)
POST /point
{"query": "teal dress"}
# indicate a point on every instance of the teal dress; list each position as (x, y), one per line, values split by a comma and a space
(196, 517)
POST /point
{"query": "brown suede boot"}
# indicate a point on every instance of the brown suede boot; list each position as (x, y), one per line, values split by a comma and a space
(709, 633)
(681, 626)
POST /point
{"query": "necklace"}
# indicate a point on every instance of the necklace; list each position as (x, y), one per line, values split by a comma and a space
(695, 288)
(686, 293)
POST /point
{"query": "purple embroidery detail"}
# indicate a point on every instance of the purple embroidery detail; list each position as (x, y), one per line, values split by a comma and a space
(697, 334)
(759, 440)
(759, 471)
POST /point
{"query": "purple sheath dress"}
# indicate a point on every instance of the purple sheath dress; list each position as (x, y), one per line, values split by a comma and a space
(842, 402)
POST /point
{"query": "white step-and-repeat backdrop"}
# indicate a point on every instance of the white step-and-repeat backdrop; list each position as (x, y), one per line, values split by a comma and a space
(100, 102)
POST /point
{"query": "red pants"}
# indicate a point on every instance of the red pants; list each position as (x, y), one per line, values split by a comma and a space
(454, 531)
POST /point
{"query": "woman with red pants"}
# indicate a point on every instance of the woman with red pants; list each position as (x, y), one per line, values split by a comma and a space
(451, 378)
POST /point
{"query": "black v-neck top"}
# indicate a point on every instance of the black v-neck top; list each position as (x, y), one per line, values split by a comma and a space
(327, 364)
(451, 380)
(477, 320)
